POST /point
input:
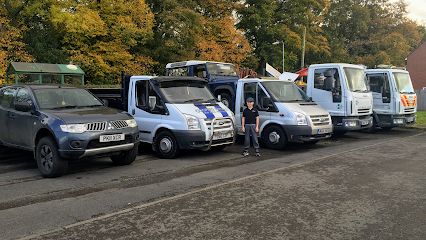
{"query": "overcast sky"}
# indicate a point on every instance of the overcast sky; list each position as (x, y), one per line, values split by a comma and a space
(417, 10)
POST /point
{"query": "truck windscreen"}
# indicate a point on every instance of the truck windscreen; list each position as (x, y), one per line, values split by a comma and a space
(221, 69)
(62, 98)
(285, 91)
(356, 79)
(403, 82)
(186, 92)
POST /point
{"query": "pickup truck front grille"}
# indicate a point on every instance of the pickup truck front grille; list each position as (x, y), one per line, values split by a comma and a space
(96, 126)
(220, 124)
(102, 126)
(363, 111)
(320, 120)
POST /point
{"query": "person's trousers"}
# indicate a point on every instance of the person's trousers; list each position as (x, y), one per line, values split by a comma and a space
(251, 132)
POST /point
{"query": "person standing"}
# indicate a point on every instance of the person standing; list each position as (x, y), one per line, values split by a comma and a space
(250, 127)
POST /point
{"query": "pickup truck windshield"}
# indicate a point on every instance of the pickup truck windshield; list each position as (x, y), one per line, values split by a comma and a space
(356, 79)
(63, 98)
(186, 92)
(285, 91)
(403, 82)
(221, 69)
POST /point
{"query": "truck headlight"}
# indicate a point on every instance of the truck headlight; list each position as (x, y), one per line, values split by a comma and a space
(131, 123)
(74, 128)
(301, 119)
(193, 122)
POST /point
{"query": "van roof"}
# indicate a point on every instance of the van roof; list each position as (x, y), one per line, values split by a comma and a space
(339, 64)
(191, 63)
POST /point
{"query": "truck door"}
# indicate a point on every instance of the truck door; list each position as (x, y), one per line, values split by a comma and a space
(6, 99)
(380, 87)
(256, 91)
(22, 124)
(146, 118)
(327, 90)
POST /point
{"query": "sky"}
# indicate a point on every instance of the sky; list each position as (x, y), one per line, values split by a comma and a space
(417, 10)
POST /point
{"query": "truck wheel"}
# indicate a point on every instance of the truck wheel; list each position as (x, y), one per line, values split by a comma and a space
(274, 138)
(49, 163)
(226, 99)
(125, 158)
(166, 145)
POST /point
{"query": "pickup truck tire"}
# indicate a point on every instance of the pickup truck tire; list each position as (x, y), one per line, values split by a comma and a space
(49, 163)
(274, 137)
(125, 158)
(166, 145)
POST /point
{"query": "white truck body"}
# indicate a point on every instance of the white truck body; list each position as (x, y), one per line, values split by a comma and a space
(174, 125)
(394, 98)
(286, 114)
(342, 90)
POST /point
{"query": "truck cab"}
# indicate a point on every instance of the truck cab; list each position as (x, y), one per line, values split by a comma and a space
(286, 113)
(342, 90)
(222, 77)
(394, 98)
(175, 113)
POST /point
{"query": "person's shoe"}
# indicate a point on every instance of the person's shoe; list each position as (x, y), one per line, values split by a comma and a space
(246, 153)
(257, 154)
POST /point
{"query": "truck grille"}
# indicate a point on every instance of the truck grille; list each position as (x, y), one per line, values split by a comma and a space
(96, 127)
(364, 111)
(320, 120)
(220, 124)
(409, 110)
(102, 126)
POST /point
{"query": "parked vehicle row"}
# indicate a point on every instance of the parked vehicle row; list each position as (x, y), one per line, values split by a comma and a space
(198, 106)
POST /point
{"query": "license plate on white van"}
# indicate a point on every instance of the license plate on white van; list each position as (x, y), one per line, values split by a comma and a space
(365, 122)
(222, 135)
(111, 138)
(323, 131)
(410, 119)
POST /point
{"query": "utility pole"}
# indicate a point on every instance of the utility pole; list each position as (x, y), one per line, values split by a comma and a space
(302, 64)
(283, 56)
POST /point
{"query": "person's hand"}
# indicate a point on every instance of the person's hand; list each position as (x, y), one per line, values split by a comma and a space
(257, 129)
(243, 129)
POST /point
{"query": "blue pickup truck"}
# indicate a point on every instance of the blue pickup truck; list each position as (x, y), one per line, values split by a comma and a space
(222, 77)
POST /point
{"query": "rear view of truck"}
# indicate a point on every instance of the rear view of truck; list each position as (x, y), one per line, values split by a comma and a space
(395, 102)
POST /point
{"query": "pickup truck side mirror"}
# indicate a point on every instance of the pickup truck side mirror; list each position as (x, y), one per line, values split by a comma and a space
(23, 106)
(152, 102)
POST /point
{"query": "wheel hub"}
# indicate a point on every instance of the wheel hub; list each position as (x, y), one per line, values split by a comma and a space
(166, 145)
(46, 157)
(225, 102)
(274, 137)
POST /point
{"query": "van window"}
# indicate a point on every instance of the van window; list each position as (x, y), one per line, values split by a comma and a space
(200, 71)
(182, 71)
(327, 79)
(6, 97)
(378, 82)
(249, 91)
(141, 94)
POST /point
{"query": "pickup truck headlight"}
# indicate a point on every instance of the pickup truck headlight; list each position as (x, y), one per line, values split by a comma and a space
(301, 119)
(131, 123)
(193, 122)
(74, 128)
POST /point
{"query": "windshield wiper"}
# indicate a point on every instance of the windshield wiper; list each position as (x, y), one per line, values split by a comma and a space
(90, 106)
(407, 92)
(65, 107)
(194, 100)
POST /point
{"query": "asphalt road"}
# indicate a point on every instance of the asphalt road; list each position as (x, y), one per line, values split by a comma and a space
(361, 186)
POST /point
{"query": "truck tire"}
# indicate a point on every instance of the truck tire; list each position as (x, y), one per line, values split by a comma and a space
(226, 99)
(125, 158)
(166, 145)
(49, 163)
(274, 137)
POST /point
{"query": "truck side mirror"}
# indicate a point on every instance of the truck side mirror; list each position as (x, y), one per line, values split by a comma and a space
(23, 106)
(152, 102)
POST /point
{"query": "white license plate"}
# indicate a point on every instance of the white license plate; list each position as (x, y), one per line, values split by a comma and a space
(111, 138)
(323, 131)
(365, 122)
(222, 135)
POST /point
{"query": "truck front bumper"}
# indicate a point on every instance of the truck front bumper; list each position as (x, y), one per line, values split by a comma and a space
(352, 123)
(384, 120)
(305, 133)
(196, 139)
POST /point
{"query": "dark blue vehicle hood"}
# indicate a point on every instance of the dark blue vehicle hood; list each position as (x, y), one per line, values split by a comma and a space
(87, 115)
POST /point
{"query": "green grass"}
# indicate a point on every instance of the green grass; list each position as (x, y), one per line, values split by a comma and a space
(421, 119)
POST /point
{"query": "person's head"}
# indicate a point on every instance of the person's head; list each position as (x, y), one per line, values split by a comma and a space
(250, 102)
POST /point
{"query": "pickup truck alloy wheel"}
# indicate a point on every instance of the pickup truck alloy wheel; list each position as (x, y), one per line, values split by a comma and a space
(274, 137)
(166, 145)
(49, 163)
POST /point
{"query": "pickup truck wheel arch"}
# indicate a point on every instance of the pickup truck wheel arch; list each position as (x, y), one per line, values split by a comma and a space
(44, 132)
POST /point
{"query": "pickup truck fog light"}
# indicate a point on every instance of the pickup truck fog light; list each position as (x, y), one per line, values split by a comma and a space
(398, 121)
(75, 144)
(350, 124)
